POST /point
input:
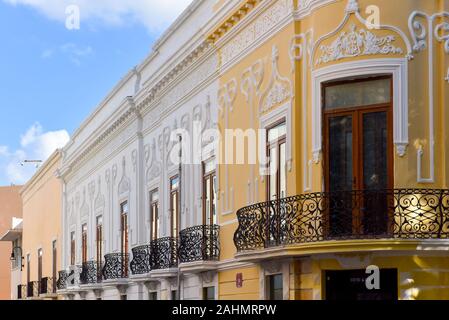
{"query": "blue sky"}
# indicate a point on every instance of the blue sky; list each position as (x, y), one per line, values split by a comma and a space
(51, 78)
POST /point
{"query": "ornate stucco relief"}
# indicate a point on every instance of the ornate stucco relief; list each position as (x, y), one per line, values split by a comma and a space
(256, 30)
(424, 30)
(250, 85)
(100, 202)
(354, 43)
(124, 185)
(226, 98)
(301, 50)
(279, 90)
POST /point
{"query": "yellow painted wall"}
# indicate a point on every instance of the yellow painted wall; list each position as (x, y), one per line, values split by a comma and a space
(228, 289)
(42, 207)
(324, 20)
(419, 277)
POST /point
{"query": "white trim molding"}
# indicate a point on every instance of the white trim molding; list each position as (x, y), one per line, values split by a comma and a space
(302, 51)
(282, 112)
(397, 67)
(419, 35)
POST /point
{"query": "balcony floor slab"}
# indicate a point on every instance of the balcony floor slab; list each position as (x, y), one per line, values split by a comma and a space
(433, 246)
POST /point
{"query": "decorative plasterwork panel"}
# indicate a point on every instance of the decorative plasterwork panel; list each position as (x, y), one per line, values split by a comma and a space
(250, 85)
(99, 200)
(226, 98)
(256, 30)
(301, 50)
(84, 211)
(279, 90)
(155, 168)
(424, 37)
(124, 185)
(437, 27)
(354, 43)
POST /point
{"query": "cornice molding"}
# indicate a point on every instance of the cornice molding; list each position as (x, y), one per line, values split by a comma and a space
(258, 26)
(234, 19)
(307, 7)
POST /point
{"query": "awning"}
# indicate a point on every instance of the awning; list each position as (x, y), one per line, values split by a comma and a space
(11, 235)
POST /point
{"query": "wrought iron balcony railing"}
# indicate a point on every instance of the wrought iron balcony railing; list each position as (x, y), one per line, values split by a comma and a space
(164, 253)
(200, 243)
(33, 289)
(73, 279)
(141, 263)
(61, 284)
(91, 272)
(47, 286)
(115, 266)
(344, 215)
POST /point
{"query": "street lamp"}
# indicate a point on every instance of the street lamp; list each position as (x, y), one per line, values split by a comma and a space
(14, 258)
(36, 163)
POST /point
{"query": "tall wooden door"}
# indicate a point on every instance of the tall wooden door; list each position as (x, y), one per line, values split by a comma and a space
(358, 135)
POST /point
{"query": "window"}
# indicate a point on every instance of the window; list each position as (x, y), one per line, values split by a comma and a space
(209, 198)
(28, 268)
(275, 287)
(123, 297)
(54, 263)
(154, 215)
(124, 209)
(358, 93)
(84, 243)
(277, 179)
(209, 293)
(39, 265)
(174, 205)
(174, 294)
(72, 249)
(152, 296)
(99, 242)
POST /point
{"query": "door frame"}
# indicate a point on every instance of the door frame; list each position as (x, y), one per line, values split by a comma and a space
(357, 113)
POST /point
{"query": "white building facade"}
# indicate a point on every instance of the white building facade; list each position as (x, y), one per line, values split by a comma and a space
(136, 225)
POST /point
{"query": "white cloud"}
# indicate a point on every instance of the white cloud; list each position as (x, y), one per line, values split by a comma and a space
(35, 145)
(71, 50)
(4, 151)
(153, 14)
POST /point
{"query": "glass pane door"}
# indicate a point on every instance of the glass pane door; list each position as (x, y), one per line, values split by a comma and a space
(341, 174)
(375, 172)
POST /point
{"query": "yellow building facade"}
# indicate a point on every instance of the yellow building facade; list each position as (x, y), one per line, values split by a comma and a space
(352, 96)
(41, 242)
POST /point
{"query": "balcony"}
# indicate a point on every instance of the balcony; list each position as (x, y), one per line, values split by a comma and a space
(47, 287)
(116, 266)
(164, 253)
(412, 214)
(141, 263)
(61, 284)
(90, 273)
(200, 243)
